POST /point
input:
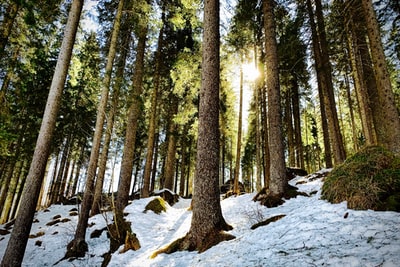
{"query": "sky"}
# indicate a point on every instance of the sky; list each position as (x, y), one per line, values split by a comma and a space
(312, 233)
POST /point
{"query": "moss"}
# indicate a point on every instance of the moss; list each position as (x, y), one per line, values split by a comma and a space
(157, 205)
(370, 179)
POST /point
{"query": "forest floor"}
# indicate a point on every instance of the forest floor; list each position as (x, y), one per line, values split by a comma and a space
(313, 232)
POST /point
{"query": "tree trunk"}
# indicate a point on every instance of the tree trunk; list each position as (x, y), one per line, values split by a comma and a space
(7, 24)
(259, 149)
(350, 104)
(78, 169)
(265, 138)
(390, 120)
(126, 39)
(207, 220)
(324, 66)
(18, 191)
(239, 133)
(155, 161)
(6, 207)
(78, 247)
(364, 78)
(297, 124)
(317, 58)
(10, 169)
(131, 124)
(171, 151)
(71, 179)
(153, 117)
(278, 182)
(15, 251)
(287, 117)
(184, 162)
(56, 191)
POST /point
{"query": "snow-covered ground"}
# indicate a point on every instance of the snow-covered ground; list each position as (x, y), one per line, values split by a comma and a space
(313, 233)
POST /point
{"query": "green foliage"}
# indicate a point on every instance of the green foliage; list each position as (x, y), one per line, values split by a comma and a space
(6, 138)
(185, 75)
(370, 179)
(245, 25)
(79, 101)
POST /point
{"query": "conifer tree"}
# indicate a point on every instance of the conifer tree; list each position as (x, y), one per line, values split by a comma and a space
(208, 225)
(78, 246)
(278, 182)
(390, 120)
(15, 251)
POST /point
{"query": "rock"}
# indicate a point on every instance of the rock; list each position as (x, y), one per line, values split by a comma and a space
(167, 195)
(157, 205)
(228, 186)
(292, 172)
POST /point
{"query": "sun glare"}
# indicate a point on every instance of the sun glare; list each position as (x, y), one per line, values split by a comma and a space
(250, 72)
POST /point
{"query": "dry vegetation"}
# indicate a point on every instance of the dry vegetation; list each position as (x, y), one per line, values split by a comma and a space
(370, 179)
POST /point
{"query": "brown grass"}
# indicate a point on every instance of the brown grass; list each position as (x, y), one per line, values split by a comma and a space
(370, 179)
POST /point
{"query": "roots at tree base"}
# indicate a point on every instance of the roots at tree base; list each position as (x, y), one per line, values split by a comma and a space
(120, 233)
(191, 243)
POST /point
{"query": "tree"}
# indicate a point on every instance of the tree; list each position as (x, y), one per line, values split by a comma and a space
(278, 182)
(126, 39)
(324, 76)
(294, 77)
(388, 136)
(207, 224)
(322, 102)
(239, 135)
(153, 112)
(172, 134)
(363, 76)
(15, 251)
(7, 24)
(134, 110)
(207, 221)
(78, 246)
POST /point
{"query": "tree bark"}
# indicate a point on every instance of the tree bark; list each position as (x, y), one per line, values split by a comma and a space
(153, 117)
(207, 220)
(259, 149)
(7, 25)
(265, 139)
(77, 247)
(287, 117)
(126, 39)
(317, 58)
(278, 182)
(15, 251)
(131, 124)
(239, 133)
(324, 67)
(363, 74)
(388, 136)
(171, 151)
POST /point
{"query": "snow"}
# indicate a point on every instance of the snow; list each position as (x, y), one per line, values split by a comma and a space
(313, 233)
